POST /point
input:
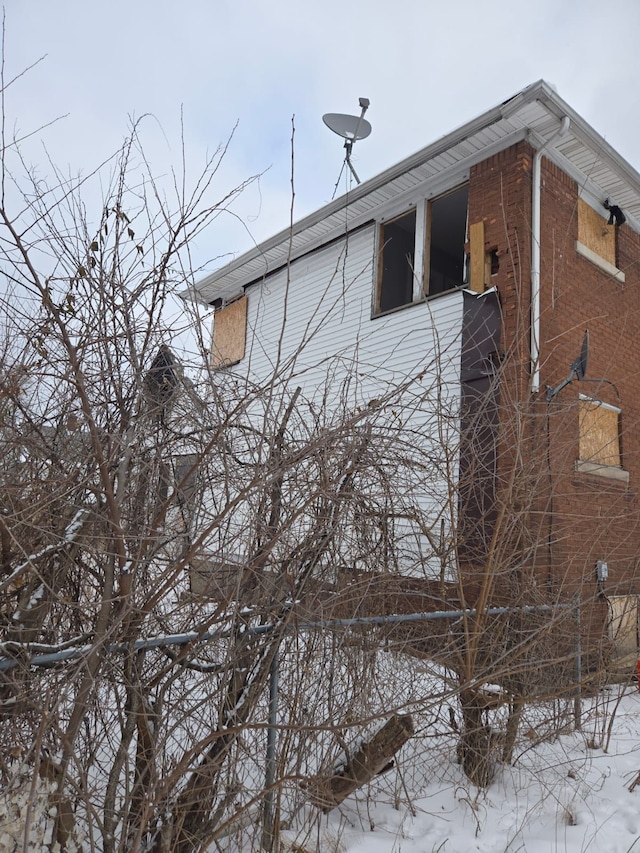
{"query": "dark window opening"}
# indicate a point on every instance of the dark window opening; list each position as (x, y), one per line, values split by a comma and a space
(448, 230)
(494, 261)
(397, 255)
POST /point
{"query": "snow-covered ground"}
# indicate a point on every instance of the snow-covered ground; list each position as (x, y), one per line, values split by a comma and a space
(566, 791)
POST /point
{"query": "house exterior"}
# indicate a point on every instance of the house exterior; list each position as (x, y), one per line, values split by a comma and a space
(477, 265)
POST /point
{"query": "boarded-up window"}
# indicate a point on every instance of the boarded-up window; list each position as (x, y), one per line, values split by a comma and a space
(186, 477)
(595, 234)
(229, 334)
(599, 433)
(623, 631)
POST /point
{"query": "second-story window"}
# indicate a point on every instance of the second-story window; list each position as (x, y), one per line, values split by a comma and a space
(447, 221)
(422, 251)
(597, 240)
(396, 265)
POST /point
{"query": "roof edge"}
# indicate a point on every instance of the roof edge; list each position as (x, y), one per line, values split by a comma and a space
(539, 91)
(504, 108)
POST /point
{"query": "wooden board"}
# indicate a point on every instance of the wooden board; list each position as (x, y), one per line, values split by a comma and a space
(371, 759)
(478, 265)
(599, 434)
(623, 631)
(595, 234)
(229, 334)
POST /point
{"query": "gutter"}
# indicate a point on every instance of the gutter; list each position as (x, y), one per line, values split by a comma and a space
(535, 252)
(504, 110)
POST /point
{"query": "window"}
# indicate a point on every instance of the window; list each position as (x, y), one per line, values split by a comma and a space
(597, 240)
(623, 631)
(422, 251)
(229, 333)
(599, 439)
(397, 262)
(186, 471)
(448, 232)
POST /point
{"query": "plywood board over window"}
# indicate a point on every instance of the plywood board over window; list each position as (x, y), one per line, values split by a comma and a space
(599, 433)
(595, 234)
(623, 631)
(229, 333)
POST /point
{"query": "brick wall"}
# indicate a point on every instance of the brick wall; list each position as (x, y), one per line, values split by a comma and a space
(592, 517)
(555, 522)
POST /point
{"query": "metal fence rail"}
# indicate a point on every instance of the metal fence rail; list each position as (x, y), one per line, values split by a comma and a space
(16, 653)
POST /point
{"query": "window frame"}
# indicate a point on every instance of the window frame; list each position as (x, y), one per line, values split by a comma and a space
(597, 462)
(594, 246)
(229, 338)
(464, 248)
(421, 251)
(417, 293)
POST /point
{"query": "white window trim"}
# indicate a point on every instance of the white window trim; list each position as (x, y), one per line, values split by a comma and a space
(587, 399)
(611, 472)
(418, 251)
(417, 291)
(603, 264)
(396, 209)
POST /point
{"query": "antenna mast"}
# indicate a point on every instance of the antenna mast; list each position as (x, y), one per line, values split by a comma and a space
(351, 129)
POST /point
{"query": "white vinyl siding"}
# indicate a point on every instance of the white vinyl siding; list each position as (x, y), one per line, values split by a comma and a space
(312, 326)
(328, 326)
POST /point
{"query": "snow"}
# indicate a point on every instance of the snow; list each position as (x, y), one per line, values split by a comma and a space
(27, 822)
(568, 793)
(75, 525)
(35, 597)
(70, 534)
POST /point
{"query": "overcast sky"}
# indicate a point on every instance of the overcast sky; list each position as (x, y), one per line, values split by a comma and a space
(426, 67)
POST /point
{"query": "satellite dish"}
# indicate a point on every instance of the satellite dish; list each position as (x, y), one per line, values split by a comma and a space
(577, 370)
(579, 366)
(351, 129)
(348, 127)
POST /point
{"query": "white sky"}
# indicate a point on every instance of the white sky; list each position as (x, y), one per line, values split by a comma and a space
(426, 67)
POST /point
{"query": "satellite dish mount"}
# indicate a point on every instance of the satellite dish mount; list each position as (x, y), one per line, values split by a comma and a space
(577, 370)
(351, 129)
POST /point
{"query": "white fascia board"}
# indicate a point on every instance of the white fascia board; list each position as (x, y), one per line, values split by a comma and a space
(429, 188)
(504, 109)
(214, 284)
(592, 140)
(590, 191)
(583, 131)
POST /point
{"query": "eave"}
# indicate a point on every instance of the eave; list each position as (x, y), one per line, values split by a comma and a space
(535, 114)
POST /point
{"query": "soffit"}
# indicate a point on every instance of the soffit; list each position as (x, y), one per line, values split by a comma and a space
(536, 113)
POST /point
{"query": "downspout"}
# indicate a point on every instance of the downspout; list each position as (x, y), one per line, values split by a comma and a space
(535, 254)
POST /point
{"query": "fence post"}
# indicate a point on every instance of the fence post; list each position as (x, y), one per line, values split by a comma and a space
(577, 699)
(270, 772)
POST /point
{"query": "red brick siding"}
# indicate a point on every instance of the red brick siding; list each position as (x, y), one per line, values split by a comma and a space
(557, 522)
